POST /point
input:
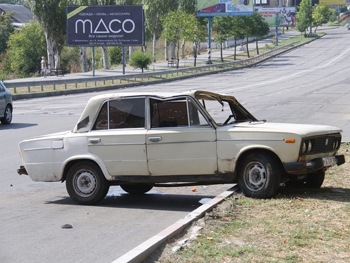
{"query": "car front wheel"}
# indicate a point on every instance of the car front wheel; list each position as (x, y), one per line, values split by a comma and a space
(7, 116)
(259, 175)
(86, 184)
(315, 180)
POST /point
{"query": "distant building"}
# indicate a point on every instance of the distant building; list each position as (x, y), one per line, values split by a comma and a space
(22, 15)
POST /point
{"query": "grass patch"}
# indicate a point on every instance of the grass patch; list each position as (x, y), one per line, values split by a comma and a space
(299, 225)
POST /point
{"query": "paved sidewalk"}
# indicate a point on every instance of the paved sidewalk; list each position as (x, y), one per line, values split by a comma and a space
(163, 65)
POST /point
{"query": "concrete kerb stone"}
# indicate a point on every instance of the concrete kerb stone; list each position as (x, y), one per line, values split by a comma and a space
(141, 252)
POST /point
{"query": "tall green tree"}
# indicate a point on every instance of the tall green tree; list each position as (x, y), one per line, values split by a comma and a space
(188, 6)
(320, 15)
(304, 16)
(237, 31)
(222, 25)
(51, 15)
(25, 48)
(260, 28)
(174, 25)
(6, 29)
(154, 11)
(195, 33)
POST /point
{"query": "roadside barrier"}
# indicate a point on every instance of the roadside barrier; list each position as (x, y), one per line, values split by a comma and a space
(67, 86)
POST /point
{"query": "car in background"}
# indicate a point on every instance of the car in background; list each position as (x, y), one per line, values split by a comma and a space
(139, 140)
(6, 107)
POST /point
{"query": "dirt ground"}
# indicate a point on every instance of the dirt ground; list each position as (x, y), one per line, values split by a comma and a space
(299, 225)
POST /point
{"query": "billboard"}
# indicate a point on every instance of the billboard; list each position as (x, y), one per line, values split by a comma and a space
(278, 16)
(210, 8)
(105, 25)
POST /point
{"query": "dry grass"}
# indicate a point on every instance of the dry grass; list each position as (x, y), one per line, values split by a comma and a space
(299, 225)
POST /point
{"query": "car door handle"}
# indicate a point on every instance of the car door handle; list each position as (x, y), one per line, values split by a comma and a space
(95, 140)
(155, 138)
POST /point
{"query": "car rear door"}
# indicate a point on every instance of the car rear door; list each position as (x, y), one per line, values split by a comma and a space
(118, 137)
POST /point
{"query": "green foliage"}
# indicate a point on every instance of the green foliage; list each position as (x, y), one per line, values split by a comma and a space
(5, 30)
(51, 14)
(260, 27)
(115, 55)
(70, 59)
(304, 16)
(141, 60)
(177, 26)
(321, 15)
(25, 49)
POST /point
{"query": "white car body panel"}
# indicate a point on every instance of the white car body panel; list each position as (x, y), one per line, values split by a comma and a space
(194, 144)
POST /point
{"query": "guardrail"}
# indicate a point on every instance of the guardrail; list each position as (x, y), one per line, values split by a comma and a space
(29, 87)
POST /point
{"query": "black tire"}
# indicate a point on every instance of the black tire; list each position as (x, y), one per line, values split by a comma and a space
(315, 180)
(86, 184)
(136, 189)
(7, 115)
(259, 175)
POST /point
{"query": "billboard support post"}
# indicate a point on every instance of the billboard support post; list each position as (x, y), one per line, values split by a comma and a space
(93, 61)
(209, 40)
(123, 59)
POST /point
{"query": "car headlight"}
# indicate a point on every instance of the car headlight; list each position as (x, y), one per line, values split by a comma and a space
(310, 146)
(307, 146)
(304, 147)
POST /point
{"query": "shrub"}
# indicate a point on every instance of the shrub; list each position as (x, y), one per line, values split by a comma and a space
(141, 60)
(115, 55)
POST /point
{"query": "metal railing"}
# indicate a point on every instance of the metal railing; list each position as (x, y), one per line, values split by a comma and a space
(108, 82)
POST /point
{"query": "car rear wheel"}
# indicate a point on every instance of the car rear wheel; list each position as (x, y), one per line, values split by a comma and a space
(136, 189)
(86, 184)
(7, 115)
(259, 175)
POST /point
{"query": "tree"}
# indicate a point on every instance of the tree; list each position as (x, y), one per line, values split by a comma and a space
(25, 48)
(260, 28)
(195, 33)
(304, 16)
(188, 6)
(6, 29)
(237, 31)
(154, 11)
(140, 60)
(175, 24)
(222, 26)
(320, 15)
(51, 15)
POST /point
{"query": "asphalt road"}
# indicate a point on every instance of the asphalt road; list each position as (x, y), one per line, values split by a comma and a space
(307, 85)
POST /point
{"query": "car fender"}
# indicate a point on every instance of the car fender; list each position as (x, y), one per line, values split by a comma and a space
(86, 157)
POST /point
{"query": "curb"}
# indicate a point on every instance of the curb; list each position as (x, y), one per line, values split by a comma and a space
(141, 252)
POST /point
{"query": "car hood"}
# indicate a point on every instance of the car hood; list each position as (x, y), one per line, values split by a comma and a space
(291, 128)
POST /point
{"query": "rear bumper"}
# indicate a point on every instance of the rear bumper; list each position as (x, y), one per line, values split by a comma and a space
(22, 170)
(314, 164)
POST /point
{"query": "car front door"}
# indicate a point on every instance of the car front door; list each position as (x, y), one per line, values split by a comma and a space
(118, 137)
(179, 140)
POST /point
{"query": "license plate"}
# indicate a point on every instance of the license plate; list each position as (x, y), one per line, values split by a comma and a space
(329, 161)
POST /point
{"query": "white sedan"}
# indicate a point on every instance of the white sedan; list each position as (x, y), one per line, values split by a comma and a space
(141, 140)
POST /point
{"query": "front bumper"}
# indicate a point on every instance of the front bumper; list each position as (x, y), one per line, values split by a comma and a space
(314, 164)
